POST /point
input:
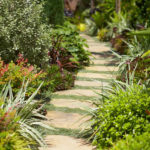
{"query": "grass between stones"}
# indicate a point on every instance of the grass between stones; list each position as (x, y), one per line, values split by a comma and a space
(109, 64)
(66, 132)
(75, 97)
(51, 107)
(100, 72)
(87, 87)
(107, 59)
(93, 79)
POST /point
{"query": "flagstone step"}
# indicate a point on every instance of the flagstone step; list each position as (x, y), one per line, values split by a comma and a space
(104, 62)
(102, 68)
(67, 120)
(71, 103)
(91, 83)
(59, 142)
(96, 75)
(79, 92)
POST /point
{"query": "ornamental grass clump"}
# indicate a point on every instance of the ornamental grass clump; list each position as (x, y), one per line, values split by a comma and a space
(124, 111)
(20, 118)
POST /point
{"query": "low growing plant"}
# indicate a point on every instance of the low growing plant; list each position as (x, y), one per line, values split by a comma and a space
(22, 31)
(57, 79)
(68, 48)
(21, 116)
(135, 60)
(123, 112)
(19, 71)
(13, 141)
(140, 142)
(102, 34)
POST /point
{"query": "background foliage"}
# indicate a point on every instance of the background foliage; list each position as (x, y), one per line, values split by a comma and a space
(21, 31)
(54, 11)
(123, 112)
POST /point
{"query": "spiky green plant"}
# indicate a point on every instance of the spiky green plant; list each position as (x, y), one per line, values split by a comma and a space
(118, 21)
(27, 110)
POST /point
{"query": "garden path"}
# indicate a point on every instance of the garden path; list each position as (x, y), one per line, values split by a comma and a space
(67, 112)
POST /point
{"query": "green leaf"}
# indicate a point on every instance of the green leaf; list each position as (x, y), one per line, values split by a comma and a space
(146, 54)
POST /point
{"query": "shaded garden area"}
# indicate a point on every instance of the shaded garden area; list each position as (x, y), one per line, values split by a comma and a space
(56, 56)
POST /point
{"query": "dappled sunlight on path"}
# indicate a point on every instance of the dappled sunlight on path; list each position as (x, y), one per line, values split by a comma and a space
(70, 105)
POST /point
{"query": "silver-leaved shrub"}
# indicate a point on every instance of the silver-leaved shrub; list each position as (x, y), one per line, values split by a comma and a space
(22, 31)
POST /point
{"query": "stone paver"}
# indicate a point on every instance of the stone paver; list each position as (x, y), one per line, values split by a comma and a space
(94, 83)
(67, 120)
(79, 92)
(101, 68)
(71, 103)
(96, 75)
(103, 61)
(59, 142)
(96, 48)
(101, 57)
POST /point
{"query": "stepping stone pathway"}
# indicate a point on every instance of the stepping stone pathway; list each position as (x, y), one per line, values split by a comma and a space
(68, 109)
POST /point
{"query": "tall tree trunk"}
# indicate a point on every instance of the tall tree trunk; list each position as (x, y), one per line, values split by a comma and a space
(118, 6)
(92, 4)
(72, 4)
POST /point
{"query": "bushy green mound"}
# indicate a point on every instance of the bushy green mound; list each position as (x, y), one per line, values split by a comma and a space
(125, 112)
(141, 142)
(21, 31)
(69, 47)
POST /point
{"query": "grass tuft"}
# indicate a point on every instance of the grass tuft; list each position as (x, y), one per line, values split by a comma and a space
(75, 97)
(51, 107)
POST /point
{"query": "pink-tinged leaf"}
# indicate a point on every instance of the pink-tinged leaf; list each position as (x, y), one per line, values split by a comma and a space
(147, 112)
(30, 69)
(59, 63)
(36, 75)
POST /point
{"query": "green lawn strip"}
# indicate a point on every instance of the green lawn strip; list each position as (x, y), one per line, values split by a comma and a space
(75, 97)
(93, 79)
(100, 42)
(109, 64)
(109, 58)
(87, 87)
(51, 107)
(104, 57)
(66, 132)
(100, 72)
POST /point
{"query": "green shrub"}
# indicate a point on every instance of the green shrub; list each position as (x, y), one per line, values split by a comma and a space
(21, 32)
(68, 47)
(137, 11)
(100, 14)
(21, 115)
(102, 34)
(54, 78)
(10, 138)
(141, 142)
(136, 60)
(57, 80)
(12, 141)
(54, 11)
(17, 73)
(117, 24)
(91, 28)
(123, 112)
